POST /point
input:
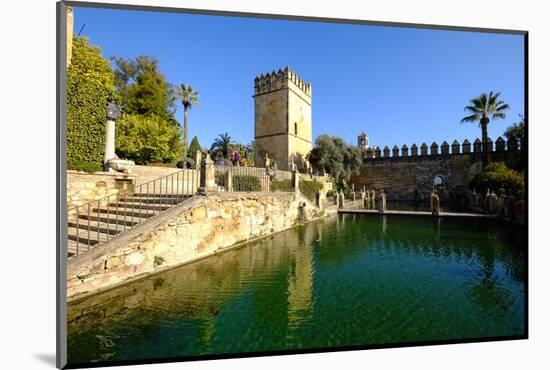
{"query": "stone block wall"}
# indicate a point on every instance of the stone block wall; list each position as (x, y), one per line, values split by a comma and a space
(409, 174)
(83, 187)
(201, 227)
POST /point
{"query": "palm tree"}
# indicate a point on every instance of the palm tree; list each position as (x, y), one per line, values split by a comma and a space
(189, 97)
(221, 146)
(482, 108)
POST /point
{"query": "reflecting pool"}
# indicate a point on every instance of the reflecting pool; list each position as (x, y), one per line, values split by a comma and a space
(343, 281)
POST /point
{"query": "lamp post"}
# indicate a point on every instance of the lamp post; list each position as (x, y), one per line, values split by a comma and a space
(112, 111)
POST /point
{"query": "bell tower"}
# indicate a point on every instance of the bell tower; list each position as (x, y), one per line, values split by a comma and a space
(282, 119)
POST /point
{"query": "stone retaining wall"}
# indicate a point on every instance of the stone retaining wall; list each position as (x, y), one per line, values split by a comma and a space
(203, 226)
(83, 187)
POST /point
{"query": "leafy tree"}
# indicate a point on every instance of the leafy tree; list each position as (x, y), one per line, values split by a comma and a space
(496, 176)
(483, 108)
(221, 146)
(337, 157)
(193, 147)
(189, 97)
(90, 83)
(517, 131)
(143, 88)
(147, 139)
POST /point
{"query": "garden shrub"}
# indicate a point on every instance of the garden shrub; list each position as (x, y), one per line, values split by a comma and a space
(90, 83)
(246, 183)
(89, 167)
(498, 176)
(281, 185)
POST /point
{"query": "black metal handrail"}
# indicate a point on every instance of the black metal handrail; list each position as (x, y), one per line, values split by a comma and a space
(103, 219)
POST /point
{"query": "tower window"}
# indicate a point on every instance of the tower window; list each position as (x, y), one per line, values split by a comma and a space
(295, 128)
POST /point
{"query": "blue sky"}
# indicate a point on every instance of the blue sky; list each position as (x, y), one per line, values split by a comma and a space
(399, 85)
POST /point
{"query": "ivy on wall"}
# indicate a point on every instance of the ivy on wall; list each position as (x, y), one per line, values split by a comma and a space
(90, 83)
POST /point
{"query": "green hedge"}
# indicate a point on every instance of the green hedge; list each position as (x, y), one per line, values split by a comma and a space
(310, 188)
(246, 183)
(90, 83)
(84, 166)
(281, 185)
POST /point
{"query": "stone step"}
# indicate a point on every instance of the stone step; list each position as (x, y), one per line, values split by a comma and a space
(160, 195)
(137, 206)
(127, 213)
(113, 219)
(103, 227)
(154, 200)
(83, 237)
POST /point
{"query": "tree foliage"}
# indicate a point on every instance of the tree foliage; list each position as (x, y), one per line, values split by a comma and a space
(335, 156)
(221, 147)
(146, 139)
(143, 88)
(516, 131)
(193, 147)
(90, 83)
(496, 176)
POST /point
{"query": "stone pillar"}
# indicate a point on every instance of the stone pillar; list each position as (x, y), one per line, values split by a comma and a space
(382, 202)
(198, 159)
(373, 199)
(228, 181)
(486, 201)
(296, 181)
(318, 201)
(366, 200)
(70, 26)
(363, 198)
(493, 203)
(208, 182)
(434, 202)
(341, 200)
(353, 196)
(109, 141)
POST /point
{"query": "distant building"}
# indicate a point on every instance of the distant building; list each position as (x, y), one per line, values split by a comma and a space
(363, 141)
(282, 119)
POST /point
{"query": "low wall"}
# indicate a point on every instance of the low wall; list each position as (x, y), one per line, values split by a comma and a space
(203, 226)
(83, 187)
(149, 173)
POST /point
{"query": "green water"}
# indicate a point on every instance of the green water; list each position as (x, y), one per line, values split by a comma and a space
(343, 281)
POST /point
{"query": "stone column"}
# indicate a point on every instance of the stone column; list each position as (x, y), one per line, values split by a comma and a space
(198, 159)
(109, 141)
(318, 201)
(228, 181)
(382, 202)
(363, 198)
(373, 199)
(296, 181)
(434, 203)
(341, 200)
(208, 182)
(366, 200)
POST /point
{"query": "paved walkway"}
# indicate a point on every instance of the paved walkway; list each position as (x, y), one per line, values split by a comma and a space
(415, 213)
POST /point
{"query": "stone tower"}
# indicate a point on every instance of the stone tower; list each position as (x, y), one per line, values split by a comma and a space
(363, 141)
(282, 119)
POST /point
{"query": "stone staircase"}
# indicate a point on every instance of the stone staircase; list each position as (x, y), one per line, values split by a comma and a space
(101, 220)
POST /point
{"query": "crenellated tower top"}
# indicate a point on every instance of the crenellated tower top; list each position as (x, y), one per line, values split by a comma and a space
(280, 79)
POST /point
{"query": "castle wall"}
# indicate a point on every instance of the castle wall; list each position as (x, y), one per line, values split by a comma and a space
(403, 172)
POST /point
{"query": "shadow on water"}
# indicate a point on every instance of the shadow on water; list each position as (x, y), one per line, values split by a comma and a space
(344, 280)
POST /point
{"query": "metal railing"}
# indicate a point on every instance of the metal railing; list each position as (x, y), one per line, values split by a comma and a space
(104, 219)
(242, 179)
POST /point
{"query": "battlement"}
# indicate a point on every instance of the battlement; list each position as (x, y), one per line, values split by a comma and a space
(434, 150)
(280, 79)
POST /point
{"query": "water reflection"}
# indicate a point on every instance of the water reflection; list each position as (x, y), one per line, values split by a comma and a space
(345, 280)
